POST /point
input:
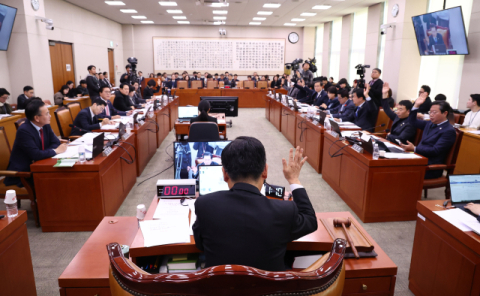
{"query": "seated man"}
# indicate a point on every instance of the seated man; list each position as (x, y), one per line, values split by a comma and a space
(401, 129)
(34, 141)
(230, 81)
(122, 101)
(110, 112)
(425, 107)
(87, 121)
(438, 134)
(304, 93)
(332, 99)
(23, 99)
(151, 89)
(346, 110)
(319, 96)
(475, 209)
(82, 88)
(5, 108)
(366, 112)
(241, 226)
(207, 160)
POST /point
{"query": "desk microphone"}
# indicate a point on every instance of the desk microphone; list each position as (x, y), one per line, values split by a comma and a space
(381, 125)
(74, 126)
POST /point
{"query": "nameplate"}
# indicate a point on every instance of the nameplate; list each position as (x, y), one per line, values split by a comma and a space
(125, 136)
(334, 134)
(357, 148)
(107, 151)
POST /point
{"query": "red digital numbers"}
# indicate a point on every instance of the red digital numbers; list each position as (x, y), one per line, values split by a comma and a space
(173, 190)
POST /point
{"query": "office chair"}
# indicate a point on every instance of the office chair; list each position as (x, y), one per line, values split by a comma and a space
(203, 132)
(324, 277)
(382, 118)
(182, 84)
(262, 84)
(74, 108)
(212, 84)
(248, 84)
(196, 84)
(25, 192)
(64, 120)
(221, 84)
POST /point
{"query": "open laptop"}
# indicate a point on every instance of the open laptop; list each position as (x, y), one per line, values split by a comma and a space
(187, 113)
(210, 179)
(464, 189)
(98, 145)
(335, 127)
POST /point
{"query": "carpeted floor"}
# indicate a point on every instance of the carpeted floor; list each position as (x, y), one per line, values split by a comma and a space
(52, 252)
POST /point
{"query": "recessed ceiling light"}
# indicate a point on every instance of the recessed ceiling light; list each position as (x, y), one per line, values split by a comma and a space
(264, 12)
(289, 24)
(321, 7)
(220, 11)
(139, 17)
(146, 22)
(179, 17)
(259, 18)
(219, 5)
(297, 20)
(219, 23)
(254, 23)
(128, 10)
(167, 3)
(174, 11)
(219, 17)
(271, 5)
(118, 3)
(308, 14)
(183, 22)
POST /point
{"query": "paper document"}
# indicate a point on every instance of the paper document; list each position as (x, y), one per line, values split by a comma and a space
(86, 139)
(165, 232)
(388, 144)
(474, 225)
(471, 132)
(19, 111)
(5, 115)
(109, 126)
(66, 163)
(458, 218)
(391, 155)
(171, 209)
(305, 261)
(345, 123)
(349, 133)
(72, 152)
(193, 217)
(365, 137)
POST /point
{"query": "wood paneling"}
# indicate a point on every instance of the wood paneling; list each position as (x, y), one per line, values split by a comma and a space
(111, 66)
(468, 161)
(61, 55)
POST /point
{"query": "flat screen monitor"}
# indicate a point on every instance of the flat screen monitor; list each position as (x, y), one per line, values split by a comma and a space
(7, 18)
(187, 112)
(188, 156)
(211, 180)
(465, 188)
(441, 32)
(227, 105)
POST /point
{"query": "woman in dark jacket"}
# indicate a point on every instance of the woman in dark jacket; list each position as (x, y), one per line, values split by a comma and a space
(150, 89)
(276, 82)
(203, 109)
(60, 95)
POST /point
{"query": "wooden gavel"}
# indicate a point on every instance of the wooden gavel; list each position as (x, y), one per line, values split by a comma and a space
(346, 223)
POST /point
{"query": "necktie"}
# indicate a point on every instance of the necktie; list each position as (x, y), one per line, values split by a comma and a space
(371, 82)
(356, 111)
(41, 137)
(107, 111)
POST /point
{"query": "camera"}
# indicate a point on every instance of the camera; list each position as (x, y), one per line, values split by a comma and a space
(384, 27)
(312, 63)
(361, 72)
(295, 65)
(48, 22)
(132, 61)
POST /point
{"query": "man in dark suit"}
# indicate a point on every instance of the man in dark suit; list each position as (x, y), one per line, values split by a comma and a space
(87, 120)
(5, 108)
(102, 80)
(22, 100)
(241, 226)
(172, 83)
(438, 134)
(151, 89)
(319, 96)
(122, 101)
(401, 128)
(82, 88)
(304, 93)
(93, 85)
(110, 112)
(34, 141)
(425, 106)
(207, 160)
(376, 86)
(332, 101)
(202, 148)
(140, 78)
(125, 78)
(345, 110)
(366, 112)
(435, 38)
(230, 81)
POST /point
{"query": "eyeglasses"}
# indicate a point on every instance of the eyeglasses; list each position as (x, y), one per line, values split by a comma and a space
(432, 112)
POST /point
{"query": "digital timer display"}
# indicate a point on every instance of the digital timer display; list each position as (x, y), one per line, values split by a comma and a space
(176, 190)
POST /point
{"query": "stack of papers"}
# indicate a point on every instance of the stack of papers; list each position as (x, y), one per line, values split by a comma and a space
(66, 163)
(5, 115)
(171, 209)
(72, 152)
(86, 139)
(165, 232)
(349, 133)
(460, 219)
(391, 155)
(19, 111)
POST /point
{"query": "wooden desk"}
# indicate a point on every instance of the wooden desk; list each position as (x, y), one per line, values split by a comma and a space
(8, 124)
(276, 114)
(16, 274)
(145, 143)
(173, 106)
(376, 190)
(379, 274)
(77, 198)
(162, 117)
(182, 129)
(84, 101)
(445, 260)
(468, 161)
(53, 119)
(87, 274)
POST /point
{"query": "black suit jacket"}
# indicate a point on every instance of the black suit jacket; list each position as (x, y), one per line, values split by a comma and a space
(27, 148)
(122, 102)
(6, 109)
(345, 114)
(318, 100)
(304, 94)
(84, 123)
(93, 86)
(431, 41)
(367, 115)
(425, 107)
(210, 119)
(149, 92)
(241, 226)
(376, 92)
(401, 128)
(22, 102)
(231, 83)
(113, 111)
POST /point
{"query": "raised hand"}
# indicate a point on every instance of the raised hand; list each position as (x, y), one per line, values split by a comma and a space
(421, 99)
(291, 170)
(367, 90)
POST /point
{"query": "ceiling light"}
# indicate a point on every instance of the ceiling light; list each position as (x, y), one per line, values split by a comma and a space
(259, 18)
(220, 11)
(308, 14)
(264, 12)
(139, 17)
(271, 5)
(254, 23)
(289, 24)
(219, 5)
(118, 3)
(183, 22)
(146, 22)
(167, 3)
(179, 17)
(174, 11)
(217, 23)
(128, 10)
(321, 7)
(297, 20)
(219, 17)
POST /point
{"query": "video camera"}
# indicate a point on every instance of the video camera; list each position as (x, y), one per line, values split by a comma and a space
(295, 65)
(312, 63)
(361, 71)
(132, 61)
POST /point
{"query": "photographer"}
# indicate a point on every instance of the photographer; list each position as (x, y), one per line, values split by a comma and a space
(125, 78)
(307, 75)
(376, 85)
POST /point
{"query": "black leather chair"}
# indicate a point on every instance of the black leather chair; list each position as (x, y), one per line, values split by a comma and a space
(203, 132)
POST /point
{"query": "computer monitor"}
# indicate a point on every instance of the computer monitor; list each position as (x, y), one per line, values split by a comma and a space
(210, 180)
(7, 18)
(98, 145)
(188, 156)
(187, 112)
(465, 188)
(227, 105)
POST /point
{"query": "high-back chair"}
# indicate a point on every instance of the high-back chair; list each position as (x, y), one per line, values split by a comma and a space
(203, 132)
(449, 166)
(248, 84)
(221, 84)
(196, 84)
(262, 84)
(182, 84)
(19, 122)
(239, 84)
(212, 84)
(382, 118)
(25, 192)
(74, 108)
(322, 278)
(64, 120)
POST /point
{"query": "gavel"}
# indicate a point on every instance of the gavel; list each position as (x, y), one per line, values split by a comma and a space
(346, 223)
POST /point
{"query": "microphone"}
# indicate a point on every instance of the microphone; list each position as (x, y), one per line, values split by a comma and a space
(74, 126)
(381, 125)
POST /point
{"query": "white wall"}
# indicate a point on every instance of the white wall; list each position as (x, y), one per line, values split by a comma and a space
(4, 75)
(138, 39)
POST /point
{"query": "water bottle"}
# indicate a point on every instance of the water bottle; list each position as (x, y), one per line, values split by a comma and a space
(11, 203)
(81, 154)
(376, 152)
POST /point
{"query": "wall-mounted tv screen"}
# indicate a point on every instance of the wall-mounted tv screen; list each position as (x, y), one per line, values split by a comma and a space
(441, 32)
(7, 18)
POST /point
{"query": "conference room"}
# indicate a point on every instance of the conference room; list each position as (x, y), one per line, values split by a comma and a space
(250, 147)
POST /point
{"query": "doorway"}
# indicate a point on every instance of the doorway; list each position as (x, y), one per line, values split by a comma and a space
(61, 59)
(111, 66)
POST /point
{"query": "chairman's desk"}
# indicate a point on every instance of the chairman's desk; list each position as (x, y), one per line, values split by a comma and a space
(182, 129)
(468, 161)
(88, 271)
(445, 260)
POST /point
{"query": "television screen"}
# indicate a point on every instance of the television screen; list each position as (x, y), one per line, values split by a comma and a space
(441, 32)
(227, 105)
(7, 18)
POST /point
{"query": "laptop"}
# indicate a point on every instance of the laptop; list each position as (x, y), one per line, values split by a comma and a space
(335, 127)
(210, 179)
(465, 189)
(122, 129)
(384, 147)
(187, 113)
(98, 145)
